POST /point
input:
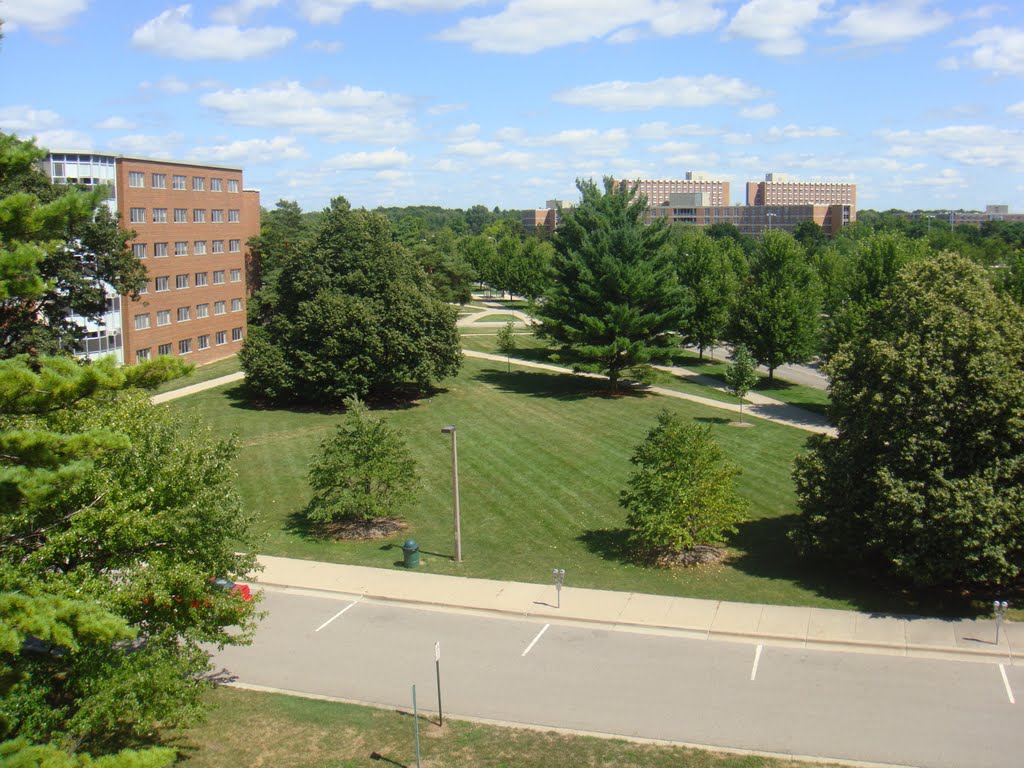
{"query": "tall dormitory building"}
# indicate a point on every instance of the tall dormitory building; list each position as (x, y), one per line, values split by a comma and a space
(192, 223)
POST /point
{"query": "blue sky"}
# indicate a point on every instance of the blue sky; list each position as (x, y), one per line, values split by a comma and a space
(457, 102)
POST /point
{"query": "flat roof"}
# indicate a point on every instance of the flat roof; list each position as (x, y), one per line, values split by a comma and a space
(164, 161)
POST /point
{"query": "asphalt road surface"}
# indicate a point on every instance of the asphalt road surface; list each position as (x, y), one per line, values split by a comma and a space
(828, 704)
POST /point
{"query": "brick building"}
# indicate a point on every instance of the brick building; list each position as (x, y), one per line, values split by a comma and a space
(192, 223)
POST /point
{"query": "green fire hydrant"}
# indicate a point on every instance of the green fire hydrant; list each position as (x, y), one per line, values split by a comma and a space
(411, 552)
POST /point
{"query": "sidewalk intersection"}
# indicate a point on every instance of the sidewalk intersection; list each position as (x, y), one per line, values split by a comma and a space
(821, 628)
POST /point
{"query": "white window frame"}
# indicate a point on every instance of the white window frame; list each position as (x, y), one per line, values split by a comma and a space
(137, 179)
(163, 317)
(142, 321)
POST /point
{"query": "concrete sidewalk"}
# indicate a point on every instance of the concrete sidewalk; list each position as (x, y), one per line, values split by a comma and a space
(822, 628)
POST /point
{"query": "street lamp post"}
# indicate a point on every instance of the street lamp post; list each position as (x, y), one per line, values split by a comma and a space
(1000, 611)
(770, 217)
(450, 429)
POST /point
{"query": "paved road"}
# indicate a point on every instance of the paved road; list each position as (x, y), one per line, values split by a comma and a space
(836, 705)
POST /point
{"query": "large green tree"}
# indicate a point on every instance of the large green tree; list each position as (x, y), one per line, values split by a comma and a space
(706, 267)
(925, 480)
(60, 249)
(111, 507)
(355, 315)
(615, 300)
(778, 305)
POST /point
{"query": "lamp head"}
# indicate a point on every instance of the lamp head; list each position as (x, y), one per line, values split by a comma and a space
(449, 429)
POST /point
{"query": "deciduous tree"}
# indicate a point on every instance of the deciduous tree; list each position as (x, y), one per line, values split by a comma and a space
(741, 374)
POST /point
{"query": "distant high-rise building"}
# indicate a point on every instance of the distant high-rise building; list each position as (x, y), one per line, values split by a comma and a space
(657, 191)
(781, 190)
(192, 222)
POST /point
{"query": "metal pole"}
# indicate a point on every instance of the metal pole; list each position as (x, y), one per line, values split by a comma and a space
(455, 489)
(416, 721)
(437, 669)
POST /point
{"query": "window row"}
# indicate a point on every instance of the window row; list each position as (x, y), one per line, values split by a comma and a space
(185, 346)
(159, 181)
(163, 282)
(159, 215)
(160, 250)
(184, 314)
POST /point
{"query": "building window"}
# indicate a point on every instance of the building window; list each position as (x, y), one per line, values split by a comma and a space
(234, 246)
(162, 284)
(236, 305)
(163, 317)
(198, 183)
(142, 321)
(144, 289)
(236, 275)
(139, 250)
(219, 307)
(159, 250)
(218, 276)
(138, 216)
(181, 248)
(163, 349)
(198, 215)
(202, 310)
(199, 247)
(136, 179)
(233, 215)
(159, 215)
(218, 246)
(184, 314)
(184, 346)
(204, 341)
(158, 181)
(222, 337)
(179, 182)
(236, 334)
(232, 185)
(215, 185)
(181, 281)
(217, 215)
(141, 354)
(180, 215)
(200, 279)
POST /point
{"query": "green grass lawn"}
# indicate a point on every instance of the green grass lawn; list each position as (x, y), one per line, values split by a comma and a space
(246, 728)
(202, 373)
(542, 458)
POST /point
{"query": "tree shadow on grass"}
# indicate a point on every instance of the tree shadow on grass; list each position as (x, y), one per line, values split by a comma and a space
(608, 544)
(561, 386)
(241, 396)
(764, 550)
(298, 524)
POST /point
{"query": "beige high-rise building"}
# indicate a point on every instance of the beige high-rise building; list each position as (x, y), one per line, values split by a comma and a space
(192, 222)
(781, 190)
(657, 191)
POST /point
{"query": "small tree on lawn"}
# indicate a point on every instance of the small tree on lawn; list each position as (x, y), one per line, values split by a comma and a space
(681, 498)
(365, 471)
(741, 375)
(507, 342)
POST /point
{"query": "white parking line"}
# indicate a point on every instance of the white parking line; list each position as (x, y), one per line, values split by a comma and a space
(545, 629)
(1006, 684)
(757, 658)
(335, 616)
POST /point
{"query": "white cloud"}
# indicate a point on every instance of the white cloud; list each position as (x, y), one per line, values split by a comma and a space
(999, 49)
(239, 12)
(447, 165)
(890, 22)
(363, 161)
(796, 132)
(474, 148)
(624, 36)
(40, 15)
(1016, 109)
(981, 145)
(344, 114)
(251, 151)
(528, 26)
(116, 123)
(327, 46)
(515, 159)
(983, 12)
(23, 118)
(170, 34)
(167, 84)
(681, 91)
(147, 145)
(444, 109)
(463, 132)
(777, 25)
(760, 112)
(63, 138)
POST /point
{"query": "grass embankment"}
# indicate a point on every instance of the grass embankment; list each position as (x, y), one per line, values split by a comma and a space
(202, 373)
(542, 458)
(247, 728)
